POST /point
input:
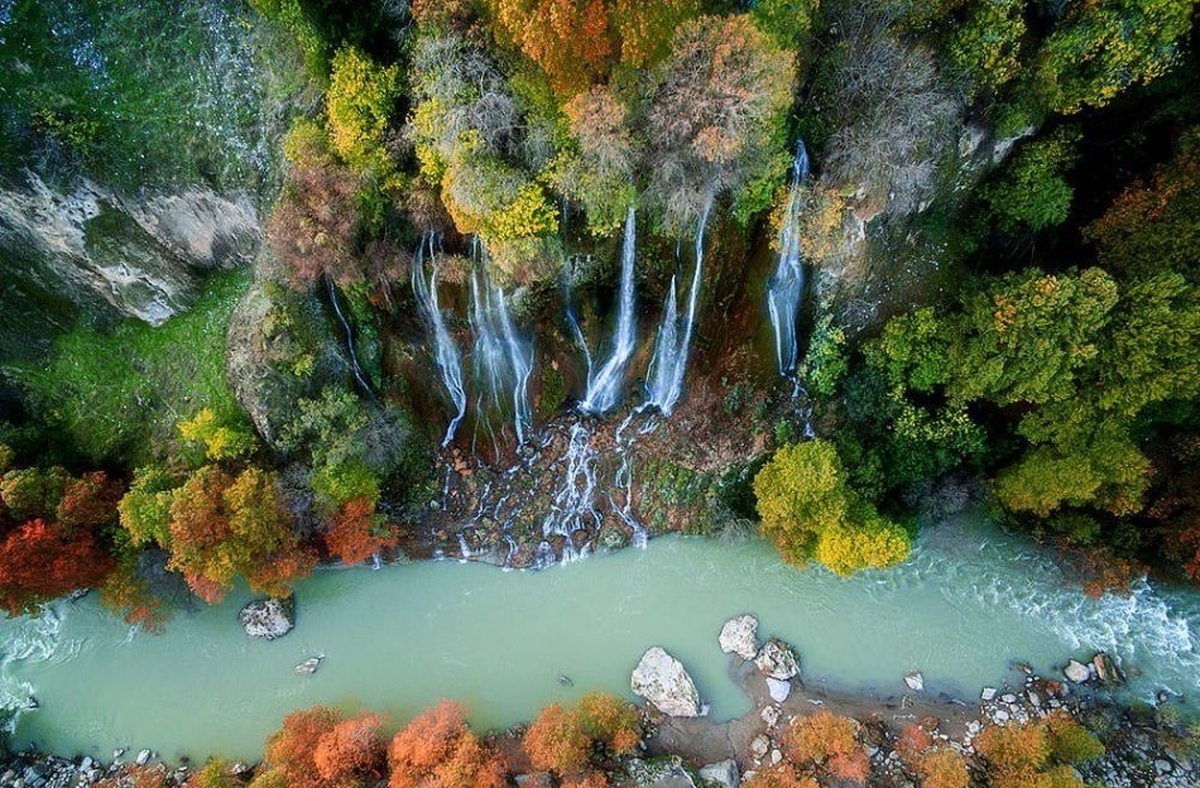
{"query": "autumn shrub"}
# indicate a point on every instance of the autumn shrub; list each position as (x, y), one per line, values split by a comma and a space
(437, 750)
(358, 107)
(716, 116)
(215, 773)
(320, 748)
(1021, 755)
(590, 779)
(612, 721)
(1070, 742)
(828, 744)
(315, 225)
(556, 740)
(943, 768)
(41, 560)
(781, 775)
(357, 531)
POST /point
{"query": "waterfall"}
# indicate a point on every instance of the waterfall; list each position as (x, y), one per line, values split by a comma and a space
(604, 387)
(446, 352)
(667, 367)
(355, 367)
(574, 505)
(785, 287)
(502, 361)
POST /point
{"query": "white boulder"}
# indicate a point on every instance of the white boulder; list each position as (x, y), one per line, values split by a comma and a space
(779, 689)
(662, 680)
(914, 680)
(1077, 672)
(268, 618)
(739, 636)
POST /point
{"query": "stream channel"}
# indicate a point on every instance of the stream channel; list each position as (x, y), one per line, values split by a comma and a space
(969, 602)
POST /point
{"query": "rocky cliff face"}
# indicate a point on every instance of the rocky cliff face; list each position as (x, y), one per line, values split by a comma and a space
(89, 253)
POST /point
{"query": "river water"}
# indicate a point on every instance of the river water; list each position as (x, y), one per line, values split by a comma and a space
(969, 602)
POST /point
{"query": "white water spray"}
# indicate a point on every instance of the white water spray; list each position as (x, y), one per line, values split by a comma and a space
(445, 351)
(786, 286)
(604, 387)
(664, 381)
(502, 361)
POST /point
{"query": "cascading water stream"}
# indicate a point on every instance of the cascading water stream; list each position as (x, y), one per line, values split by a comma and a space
(446, 352)
(604, 388)
(355, 367)
(664, 382)
(502, 361)
(786, 286)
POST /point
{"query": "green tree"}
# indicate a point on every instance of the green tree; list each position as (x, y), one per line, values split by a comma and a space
(808, 510)
(987, 44)
(1026, 337)
(1098, 49)
(359, 105)
(1032, 192)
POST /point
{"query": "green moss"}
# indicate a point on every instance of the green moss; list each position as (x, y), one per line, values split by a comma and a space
(116, 396)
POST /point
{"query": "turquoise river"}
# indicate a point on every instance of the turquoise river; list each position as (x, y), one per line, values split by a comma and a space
(969, 602)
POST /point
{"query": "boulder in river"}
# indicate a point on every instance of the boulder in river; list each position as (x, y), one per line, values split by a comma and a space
(268, 618)
(738, 636)
(914, 680)
(662, 680)
(1106, 669)
(310, 665)
(777, 660)
(1077, 672)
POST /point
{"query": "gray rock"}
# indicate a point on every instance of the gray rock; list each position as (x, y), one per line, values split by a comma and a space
(770, 715)
(723, 773)
(143, 757)
(268, 619)
(915, 680)
(534, 780)
(1077, 672)
(662, 680)
(776, 757)
(739, 636)
(310, 665)
(1106, 669)
(779, 690)
(1008, 698)
(987, 694)
(143, 255)
(777, 660)
(760, 746)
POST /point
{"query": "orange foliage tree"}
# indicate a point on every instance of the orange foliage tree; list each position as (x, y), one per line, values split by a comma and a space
(222, 526)
(556, 741)
(357, 531)
(50, 523)
(1037, 753)
(437, 750)
(41, 560)
(563, 740)
(828, 744)
(577, 42)
(781, 775)
(319, 748)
